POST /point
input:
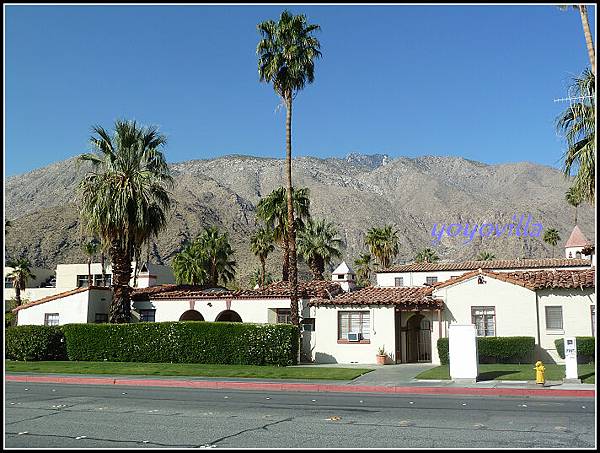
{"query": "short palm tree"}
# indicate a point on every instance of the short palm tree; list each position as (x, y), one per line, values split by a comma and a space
(287, 52)
(578, 124)
(427, 256)
(574, 199)
(364, 267)
(552, 238)
(383, 244)
(189, 266)
(273, 211)
(125, 199)
(20, 274)
(257, 279)
(262, 244)
(486, 256)
(318, 244)
(91, 248)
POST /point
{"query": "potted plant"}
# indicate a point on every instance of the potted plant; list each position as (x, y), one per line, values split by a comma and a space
(381, 356)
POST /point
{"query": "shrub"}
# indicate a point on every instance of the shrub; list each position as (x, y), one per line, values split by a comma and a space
(495, 349)
(586, 348)
(35, 343)
(184, 342)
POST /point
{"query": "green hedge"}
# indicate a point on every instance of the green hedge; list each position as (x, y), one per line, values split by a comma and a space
(586, 348)
(184, 342)
(35, 343)
(495, 349)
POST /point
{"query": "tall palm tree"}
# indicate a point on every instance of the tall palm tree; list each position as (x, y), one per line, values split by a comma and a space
(486, 256)
(19, 276)
(384, 244)
(189, 266)
(318, 244)
(125, 199)
(286, 58)
(578, 124)
(273, 211)
(552, 238)
(586, 33)
(427, 256)
(262, 244)
(90, 248)
(574, 199)
(364, 267)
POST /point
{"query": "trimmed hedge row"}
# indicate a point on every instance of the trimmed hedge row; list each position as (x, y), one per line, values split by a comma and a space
(35, 343)
(586, 348)
(171, 342)
(495, 349)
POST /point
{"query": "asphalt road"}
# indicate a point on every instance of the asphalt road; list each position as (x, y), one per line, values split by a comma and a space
(84, 416)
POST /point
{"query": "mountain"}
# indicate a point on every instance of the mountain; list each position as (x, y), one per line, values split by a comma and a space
(356, 193)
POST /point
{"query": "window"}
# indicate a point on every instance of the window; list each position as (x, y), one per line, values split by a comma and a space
(484, 319)
(51, 319)
(147, 315)
(82, 281)
(431, 280)
(399, 281)
(101, 317)
(554, 318)
(284, 316)
(354, 321)
(578, 255)
(593, 312)
(308, 324)
(340, 276)
(8, 283)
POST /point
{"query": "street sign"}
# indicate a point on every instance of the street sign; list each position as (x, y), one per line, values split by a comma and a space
(571, 358)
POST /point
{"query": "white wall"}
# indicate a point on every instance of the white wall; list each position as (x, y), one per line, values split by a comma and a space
(577, 320)
(66, 274)
(31, 294)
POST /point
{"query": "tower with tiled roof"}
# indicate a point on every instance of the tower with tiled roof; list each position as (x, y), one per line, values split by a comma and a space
(345, 276)
(576, 243)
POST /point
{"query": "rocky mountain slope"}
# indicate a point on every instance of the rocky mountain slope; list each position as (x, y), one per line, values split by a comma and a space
(356, 193)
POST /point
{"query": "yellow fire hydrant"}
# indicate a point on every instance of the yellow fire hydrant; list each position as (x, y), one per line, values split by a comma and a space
(539, 373)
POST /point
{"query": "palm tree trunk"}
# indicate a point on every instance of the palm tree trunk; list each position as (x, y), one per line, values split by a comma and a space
(103, 264)
(575, 215)
(588, 37)
(89, 272)
(120, 308)
(18, 294)
(262, 271)
(293, 269)
(317, 265)
(285, 271)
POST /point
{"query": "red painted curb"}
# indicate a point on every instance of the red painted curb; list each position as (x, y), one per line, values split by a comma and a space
(274, 386)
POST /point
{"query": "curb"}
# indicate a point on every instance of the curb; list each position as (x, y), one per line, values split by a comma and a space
(232, 385)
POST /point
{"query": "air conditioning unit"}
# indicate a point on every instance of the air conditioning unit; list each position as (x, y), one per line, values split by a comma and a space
(354, 336)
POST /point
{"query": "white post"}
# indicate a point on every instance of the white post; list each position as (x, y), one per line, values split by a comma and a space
(571, 374)
(462, 350)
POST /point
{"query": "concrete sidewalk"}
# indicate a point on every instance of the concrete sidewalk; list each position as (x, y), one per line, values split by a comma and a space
(439, 387)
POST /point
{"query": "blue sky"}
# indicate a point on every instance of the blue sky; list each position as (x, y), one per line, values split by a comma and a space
(471, 81)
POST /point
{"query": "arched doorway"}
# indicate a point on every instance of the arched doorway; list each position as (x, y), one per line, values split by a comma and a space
(418, 339)
(191, 315)
(228, 316)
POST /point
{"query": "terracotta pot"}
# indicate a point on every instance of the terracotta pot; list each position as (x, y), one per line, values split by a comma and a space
(381, 359)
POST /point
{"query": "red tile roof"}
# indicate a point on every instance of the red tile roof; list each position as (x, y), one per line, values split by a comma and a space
(58, 296)
(534, 280)
(492, 264)
(577, 238)
(306, 290)
(417, 297)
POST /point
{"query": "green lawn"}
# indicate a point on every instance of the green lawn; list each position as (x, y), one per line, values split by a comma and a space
(186, 369)
(510, 372)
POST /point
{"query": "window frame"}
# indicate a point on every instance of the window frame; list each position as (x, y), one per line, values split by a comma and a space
(144, 311)
(283, 312)
(396, 279)
(485, 309)
(562, 322)
(361, 313)
(434, 278)
(105, 317)
(47, 319)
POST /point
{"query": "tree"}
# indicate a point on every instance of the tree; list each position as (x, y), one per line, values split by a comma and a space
(206, 261)
(578, 124)
(486, 256)
(586, 33)
(20, 274)
(427, 256)
(552, 238)
(286, 58)
(273, 211)
(125, 199)
(318, 244)
(364, 267)
(574, 199)
(256, 278)
(383, 243)
(90, 248)
(262, 244)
